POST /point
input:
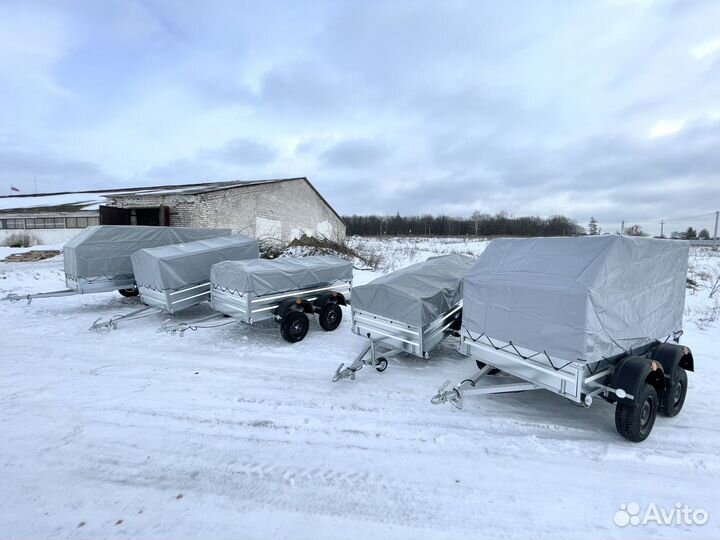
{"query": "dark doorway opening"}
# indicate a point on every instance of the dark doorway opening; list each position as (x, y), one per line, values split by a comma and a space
(147, 216)
(109, 215)
(154, 216)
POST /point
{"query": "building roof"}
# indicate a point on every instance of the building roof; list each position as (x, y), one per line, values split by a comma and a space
(73, 201)
(193, 189)
(48, 203)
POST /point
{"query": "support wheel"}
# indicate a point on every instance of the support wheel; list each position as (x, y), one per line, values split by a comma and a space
(480, 365)
(381, 364)
(673, 398)
(294, 326)
(330, 316)
(129, 293)
(636, 420)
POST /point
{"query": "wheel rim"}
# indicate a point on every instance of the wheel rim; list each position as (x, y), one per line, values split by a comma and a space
(645, 415)
(677, 393)
(331, 317)
(296, 328)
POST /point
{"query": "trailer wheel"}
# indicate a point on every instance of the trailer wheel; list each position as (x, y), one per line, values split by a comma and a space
(480, 365)
(381, 364)
(636, 420)
(129, 293)
(294, 326)
(330, 316)
(673, 398)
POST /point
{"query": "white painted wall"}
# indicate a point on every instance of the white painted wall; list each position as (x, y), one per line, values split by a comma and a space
(268, 229)
(324, 229)
(44, 236)
(255, 210)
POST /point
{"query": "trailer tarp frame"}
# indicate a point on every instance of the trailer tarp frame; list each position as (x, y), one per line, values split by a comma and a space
(176, 266)
(585, 298)
(418, 294)
(103, 252)
(270, 276)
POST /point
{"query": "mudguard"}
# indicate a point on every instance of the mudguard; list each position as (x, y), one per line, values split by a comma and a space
(632, 372)
(334, 297)
(293, 304)
(672, 356)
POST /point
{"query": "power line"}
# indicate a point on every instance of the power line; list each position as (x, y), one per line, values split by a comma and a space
(672, 219)
(691, 217)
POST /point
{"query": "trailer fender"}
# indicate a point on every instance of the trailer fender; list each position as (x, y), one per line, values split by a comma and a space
(334, 297)
(632, 372)
(293, 304)
(672, 356)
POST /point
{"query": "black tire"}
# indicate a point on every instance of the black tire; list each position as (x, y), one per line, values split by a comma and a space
(129, 293)
(456, 324)
(480, 365)
(330, 316)
(673, 398)
(635, 421)
(294, 326)
(381, 364)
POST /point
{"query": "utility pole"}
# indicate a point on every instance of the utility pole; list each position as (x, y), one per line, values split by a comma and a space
(715, 235)
(622, 228)
(662, 226)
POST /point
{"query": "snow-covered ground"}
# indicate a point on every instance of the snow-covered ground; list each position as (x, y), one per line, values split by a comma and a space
(233, 433)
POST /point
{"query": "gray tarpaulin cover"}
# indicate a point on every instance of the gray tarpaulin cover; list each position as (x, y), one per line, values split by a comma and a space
(577, 298)
(418, 294)
(104, 251)
(178, 266)
(263, 276)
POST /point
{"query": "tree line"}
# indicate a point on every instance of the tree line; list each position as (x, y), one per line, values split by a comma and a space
(689, 234)
(478, 224)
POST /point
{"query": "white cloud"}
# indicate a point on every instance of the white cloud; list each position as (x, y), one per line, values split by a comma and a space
(706, 49)
(402, 107)
(663, 128)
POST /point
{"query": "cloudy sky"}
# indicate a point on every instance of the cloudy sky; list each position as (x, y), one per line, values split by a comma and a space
(608, 108)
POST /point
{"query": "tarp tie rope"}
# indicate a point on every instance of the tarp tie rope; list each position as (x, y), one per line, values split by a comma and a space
(612, 361)
(517, 352)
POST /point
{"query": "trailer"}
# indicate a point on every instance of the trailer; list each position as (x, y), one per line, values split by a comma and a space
(285, 290)
(176, 277)
(408, 311)
(583, 318)
(98, 259)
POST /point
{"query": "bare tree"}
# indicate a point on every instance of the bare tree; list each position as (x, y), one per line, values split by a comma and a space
(634, 230)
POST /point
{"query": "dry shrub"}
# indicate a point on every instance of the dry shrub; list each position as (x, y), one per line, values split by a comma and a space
(21, 240)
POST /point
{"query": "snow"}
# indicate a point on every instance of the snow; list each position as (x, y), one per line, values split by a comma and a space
(83, 201)
(232, 433)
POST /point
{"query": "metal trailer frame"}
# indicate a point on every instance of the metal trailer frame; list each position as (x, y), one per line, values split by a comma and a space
(575, 380)
(388, 338)
(98, 285)
(79, 286)
(157, 302)
(173, 301)
(250, 308)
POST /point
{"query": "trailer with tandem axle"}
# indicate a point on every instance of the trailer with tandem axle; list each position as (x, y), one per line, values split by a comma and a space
(287, 290)
(582, 318)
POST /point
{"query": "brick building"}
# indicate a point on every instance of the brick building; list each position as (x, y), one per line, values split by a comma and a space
(264, 209)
